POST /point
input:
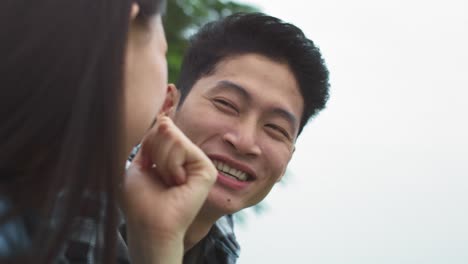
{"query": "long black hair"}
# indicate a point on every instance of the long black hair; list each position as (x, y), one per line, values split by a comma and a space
(61, 109)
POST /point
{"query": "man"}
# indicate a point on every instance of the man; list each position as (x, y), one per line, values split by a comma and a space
(248, 85)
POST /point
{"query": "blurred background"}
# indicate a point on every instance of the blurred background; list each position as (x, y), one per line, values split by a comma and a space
(381, 175)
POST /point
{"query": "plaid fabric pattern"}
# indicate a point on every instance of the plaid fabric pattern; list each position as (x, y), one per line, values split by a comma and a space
(83, 246)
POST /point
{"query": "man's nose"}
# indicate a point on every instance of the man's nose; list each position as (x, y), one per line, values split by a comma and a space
(244, 139)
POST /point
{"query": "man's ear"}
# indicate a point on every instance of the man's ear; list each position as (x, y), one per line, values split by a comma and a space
(172, 100)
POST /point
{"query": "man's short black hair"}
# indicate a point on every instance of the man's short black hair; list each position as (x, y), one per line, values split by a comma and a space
(244, 33)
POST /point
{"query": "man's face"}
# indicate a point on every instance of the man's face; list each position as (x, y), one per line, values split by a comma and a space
(245, 117)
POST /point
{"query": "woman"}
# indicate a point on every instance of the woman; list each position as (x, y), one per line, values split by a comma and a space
(81, 83)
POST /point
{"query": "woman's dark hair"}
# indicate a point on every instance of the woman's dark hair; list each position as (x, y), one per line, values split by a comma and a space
(258, 33)
(61, 111)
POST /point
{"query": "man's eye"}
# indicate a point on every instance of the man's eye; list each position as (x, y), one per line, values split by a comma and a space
(225, 105)
(279, 130)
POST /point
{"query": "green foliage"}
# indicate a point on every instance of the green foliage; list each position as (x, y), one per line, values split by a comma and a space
(184, 18)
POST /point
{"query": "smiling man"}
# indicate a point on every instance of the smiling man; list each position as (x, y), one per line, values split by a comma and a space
(248, 85)
(251, 107)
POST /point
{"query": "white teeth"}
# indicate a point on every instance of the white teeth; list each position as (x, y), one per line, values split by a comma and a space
(234, 173)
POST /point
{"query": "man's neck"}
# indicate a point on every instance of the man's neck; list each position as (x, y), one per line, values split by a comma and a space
(200, 227)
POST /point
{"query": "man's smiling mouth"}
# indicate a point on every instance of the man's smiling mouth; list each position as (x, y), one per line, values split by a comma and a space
(230, 171)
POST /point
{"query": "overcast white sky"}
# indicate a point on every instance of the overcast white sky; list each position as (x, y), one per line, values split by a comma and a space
(381, 176)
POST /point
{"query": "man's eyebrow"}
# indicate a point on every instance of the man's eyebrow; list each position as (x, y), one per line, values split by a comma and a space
(231, 86)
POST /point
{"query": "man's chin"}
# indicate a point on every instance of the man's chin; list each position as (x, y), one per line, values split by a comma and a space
(221, 202)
